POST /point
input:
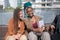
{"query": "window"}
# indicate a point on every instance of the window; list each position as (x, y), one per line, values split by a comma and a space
(57, 0)
(43, 0)
(49, 0)
(7, 4)
(28, 0)
(33, 0)
(43, 4)
(49, 4)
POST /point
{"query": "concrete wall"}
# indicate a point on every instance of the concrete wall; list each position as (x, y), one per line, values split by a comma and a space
(4, 17)
(47, 14)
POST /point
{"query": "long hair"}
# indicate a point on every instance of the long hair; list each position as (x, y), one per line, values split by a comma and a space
(15, 18)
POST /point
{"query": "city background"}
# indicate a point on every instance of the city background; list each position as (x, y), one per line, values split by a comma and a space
(47, 9)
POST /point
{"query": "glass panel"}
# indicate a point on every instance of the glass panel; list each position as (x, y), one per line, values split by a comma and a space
(43, 0)
(49, 4)
(43, 4)
(57, 0)
(7, 4)
(28, 0)
(49, 0)
(19, 3)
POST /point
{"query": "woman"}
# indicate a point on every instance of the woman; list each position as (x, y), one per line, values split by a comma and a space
(16, 28)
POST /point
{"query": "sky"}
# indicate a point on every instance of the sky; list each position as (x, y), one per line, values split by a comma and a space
(13, 3)
(1, 2)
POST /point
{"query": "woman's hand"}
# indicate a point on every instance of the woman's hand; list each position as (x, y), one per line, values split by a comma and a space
(38, 30)
(41, 29)
(17, 36)
(52, 27)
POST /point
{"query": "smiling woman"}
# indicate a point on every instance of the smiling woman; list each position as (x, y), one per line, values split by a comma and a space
(16, 27)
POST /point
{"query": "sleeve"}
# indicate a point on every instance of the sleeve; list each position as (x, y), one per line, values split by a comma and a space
(22, 28)
(55, 21)
(10, 27)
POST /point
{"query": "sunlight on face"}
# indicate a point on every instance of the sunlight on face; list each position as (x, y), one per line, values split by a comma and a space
(20, 14)
(30, 12)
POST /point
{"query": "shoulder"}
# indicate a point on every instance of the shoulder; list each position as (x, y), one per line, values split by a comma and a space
(25, 19)
(38, 17)
(57, 15)
(10, 20)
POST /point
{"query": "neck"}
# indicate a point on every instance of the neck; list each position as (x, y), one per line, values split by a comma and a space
(20, 19)
(30, 16)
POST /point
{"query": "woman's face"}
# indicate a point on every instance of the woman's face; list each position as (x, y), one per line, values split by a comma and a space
(30, 12)
(20, 15)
